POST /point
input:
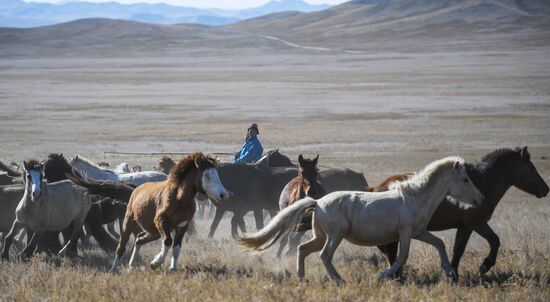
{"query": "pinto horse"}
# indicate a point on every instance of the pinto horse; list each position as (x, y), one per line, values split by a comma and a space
(305, 184)
(374, 218)
(493, 175)
(162, 207)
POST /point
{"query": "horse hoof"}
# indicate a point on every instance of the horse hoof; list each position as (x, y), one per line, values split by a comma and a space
(154, 265)
(483, 269)
(172, 270)
(113, 271)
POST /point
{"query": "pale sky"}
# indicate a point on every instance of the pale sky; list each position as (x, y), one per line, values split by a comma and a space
(224, 4)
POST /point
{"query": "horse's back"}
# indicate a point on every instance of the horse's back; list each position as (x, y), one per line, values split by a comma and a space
(366, 218)
(65, 203)
(341, 179)
(139, 178)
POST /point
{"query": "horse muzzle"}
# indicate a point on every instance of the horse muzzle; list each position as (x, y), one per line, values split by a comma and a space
(223, 196)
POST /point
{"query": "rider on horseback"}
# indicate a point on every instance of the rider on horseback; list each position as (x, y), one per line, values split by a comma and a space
(252, 149)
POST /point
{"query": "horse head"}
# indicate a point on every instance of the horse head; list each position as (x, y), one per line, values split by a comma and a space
(525, 175)
(308, 173)
(34, 172)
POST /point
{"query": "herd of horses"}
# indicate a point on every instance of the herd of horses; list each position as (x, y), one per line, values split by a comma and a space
(76, 197)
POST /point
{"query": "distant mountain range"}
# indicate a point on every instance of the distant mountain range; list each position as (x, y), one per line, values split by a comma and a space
(17, 13)
(357, 26)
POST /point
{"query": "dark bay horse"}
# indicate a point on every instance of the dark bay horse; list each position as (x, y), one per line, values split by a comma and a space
(494, 174)
(56, 168)
(305, 184)
(162, 207)
(257, 188)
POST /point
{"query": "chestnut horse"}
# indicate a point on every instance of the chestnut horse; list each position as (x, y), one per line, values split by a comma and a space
(305, 184)
(493, 175)
(162, 207)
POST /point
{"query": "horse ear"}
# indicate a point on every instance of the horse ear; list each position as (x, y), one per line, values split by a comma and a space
(456, 166)
(315, 160)
(525, 154)
(300, 159)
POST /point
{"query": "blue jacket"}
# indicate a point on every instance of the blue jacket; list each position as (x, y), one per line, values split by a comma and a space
(250, 152)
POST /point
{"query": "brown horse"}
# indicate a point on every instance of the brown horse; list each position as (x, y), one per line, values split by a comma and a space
(493, 176)
(162, 207)
(305, 184)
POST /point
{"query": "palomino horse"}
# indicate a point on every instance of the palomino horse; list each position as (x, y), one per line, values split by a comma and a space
(93, 171)
(493, 175)
(305, 184)
(162, 207)
(368, 218)
(47, 207)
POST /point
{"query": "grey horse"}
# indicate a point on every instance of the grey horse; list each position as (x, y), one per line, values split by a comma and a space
(47, 207)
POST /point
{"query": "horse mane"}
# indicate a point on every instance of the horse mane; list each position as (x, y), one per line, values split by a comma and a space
(190, 163)
(491, 159)
(33, 163)
(426, 176)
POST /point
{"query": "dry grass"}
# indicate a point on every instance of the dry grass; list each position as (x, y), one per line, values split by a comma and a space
(216, 270)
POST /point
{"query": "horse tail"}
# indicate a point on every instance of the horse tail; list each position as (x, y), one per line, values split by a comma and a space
(115, 190)
(281, 224)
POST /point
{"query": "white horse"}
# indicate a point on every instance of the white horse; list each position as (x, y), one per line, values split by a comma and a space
(94, 172)
(47, 207)
(123, 168)
(372, 219)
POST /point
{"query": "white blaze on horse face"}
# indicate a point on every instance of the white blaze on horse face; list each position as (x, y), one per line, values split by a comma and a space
(213, 186)
(36, 183)
(463, 190)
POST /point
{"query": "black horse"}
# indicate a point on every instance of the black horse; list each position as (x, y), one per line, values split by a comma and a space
(493, 176)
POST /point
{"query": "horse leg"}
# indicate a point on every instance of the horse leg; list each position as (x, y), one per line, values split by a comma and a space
(390, 251)
(259, 218)
(333, 240)
(404, 246)
(485, 231)
(242, 225)
(294, 241)
(71, 245)
(176, 246)
(461, 239)
(167, 241)
(127, 229)
(435, 241)
(31, 245)
(217, 218)
(15, 227)
(314, 245)
(142, 239)
(235, 222)
(112, 231)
